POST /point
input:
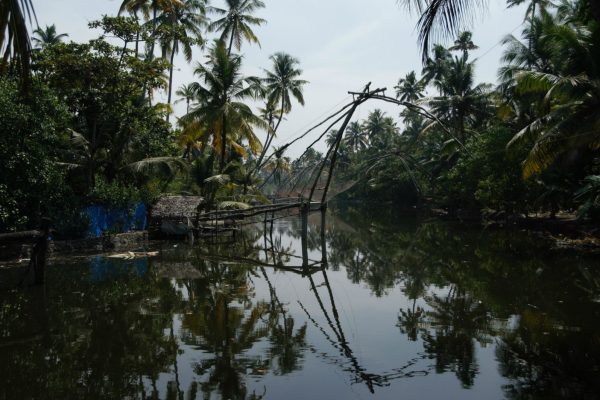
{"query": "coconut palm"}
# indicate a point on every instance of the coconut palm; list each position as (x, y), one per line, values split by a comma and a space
(135, 7)
(356, 137)
(187, 93)
(181, 26)
(534, 53)
(281, 84)
(283, 81)
(219, 95)
(380, 129)
(409, 89)
(277, 167)
(533, 8)
(442, 19)
(461, 103)
(436, 66)
(331, 137)
(151, 9)
(464, 43)
(236, 22)
(47, 37)
(14, 36)
(571, 98)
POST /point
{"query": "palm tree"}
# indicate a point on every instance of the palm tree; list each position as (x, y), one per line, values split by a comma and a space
(570, 93)
(533, 7)
(219, 102)
(47, 37)
(331, 137)
(146, 7)
(460, 103)
(236, 22)
(157, 7)
(446, 18)
(281, 84)
(187, 93)
(134, 7)
(14, 36)
(464, 43)
(380, 128)
(409, 89)
(181, 25)
(356, 137)
(278, 166)
(435, 67)
(442, 19)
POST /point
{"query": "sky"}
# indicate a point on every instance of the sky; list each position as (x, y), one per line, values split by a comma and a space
(341, 44)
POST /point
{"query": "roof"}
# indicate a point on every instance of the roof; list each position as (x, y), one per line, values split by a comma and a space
(176, 207)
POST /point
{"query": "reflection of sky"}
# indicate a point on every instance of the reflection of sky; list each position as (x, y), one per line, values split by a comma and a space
(103, 268)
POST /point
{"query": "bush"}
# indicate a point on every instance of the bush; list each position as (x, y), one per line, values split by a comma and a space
(487, 175)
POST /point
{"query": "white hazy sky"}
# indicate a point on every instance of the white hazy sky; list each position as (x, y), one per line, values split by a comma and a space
(341, 44)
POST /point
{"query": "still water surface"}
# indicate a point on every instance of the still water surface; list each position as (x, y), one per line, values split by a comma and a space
(403, 309)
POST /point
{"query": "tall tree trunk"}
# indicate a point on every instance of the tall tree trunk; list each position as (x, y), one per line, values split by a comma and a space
(171, 79)
(137, 36)
(230, 44)
(268, 141)
(223, 144)
(150, 55)
(153, 39)
(123, 51)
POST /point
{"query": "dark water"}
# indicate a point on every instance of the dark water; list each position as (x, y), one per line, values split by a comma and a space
(404, 310)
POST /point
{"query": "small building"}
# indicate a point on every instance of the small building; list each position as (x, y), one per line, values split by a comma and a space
(174, 215)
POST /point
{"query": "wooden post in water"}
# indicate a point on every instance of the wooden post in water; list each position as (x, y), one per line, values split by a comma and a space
(323, 239)
(39, 254)
(305, 208)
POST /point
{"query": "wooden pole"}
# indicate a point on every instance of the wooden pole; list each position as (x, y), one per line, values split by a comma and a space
(304, 216)
(39, 256)
(323, 238)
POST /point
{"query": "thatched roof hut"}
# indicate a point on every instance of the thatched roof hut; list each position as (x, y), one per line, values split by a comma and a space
(176, 207)
(174, 214)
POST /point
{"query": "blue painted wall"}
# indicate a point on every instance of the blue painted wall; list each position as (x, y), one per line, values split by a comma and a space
(114, 220)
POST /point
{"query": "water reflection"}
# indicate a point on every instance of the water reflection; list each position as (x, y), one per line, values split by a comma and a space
(370, 299)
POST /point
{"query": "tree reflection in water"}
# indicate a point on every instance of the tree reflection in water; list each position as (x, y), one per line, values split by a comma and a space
(495, 289)
(192, 324)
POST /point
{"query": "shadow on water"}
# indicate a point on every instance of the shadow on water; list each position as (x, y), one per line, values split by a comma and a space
(374, 298)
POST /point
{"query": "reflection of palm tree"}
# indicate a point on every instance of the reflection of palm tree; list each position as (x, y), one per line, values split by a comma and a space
(457, 320)
(287, 347)
(410, 321)
(356, 266)
(226, 332)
